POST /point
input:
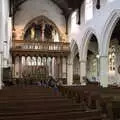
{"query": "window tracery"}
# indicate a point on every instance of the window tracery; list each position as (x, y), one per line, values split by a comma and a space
(113, 53)
(112, 58)
(41, 30)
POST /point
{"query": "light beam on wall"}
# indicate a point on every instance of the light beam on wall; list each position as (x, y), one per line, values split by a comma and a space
(88, 10)
(73, 21)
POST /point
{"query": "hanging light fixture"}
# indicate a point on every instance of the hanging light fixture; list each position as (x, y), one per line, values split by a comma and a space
(98, 4)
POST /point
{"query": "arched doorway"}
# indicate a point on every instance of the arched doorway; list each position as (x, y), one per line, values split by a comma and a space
(92, 60)
(114, 56)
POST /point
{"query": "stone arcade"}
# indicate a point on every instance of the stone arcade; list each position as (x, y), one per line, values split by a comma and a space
(63, 39)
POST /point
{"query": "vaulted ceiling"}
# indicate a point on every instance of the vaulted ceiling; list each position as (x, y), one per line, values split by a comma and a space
(67, 6)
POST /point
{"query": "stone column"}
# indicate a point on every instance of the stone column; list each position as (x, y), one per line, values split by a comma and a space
(82, 72)
(69, 71)
(61, 67)
(1, 69)
(104, 71)
(66, 67)
(16, 67)
(53, 67)
(50, 66)
(31, 68)
(36, 61)
(13, 66)
(57, 67)
(36, 66)
(2, 37)
(43, 32)
(25, 66)
(41, 60)
(20, 66)
(26, 61)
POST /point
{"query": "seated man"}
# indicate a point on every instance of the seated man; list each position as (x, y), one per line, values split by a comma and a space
(59, 83)
(51, 81)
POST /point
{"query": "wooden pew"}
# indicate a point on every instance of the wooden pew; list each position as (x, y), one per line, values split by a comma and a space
(34, 103)
(106, 99)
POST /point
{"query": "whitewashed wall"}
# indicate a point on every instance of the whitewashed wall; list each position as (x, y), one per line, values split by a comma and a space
(101, 25)
(95, 25)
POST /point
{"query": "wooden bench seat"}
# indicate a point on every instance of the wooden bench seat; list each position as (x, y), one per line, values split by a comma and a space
(56, 116)
(35, 103)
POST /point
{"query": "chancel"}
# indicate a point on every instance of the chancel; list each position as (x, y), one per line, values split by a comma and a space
(59, 59)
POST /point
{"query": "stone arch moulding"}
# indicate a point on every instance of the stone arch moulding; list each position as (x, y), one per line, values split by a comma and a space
(46, 20)
(108, 29)
(85, 42)
(74, 48)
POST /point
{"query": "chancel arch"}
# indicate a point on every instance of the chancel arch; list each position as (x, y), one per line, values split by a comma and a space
(42, 40)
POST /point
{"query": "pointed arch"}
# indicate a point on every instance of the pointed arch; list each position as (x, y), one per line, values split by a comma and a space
(108, 29)
(85, 42)
(45, 20)
(74, 48)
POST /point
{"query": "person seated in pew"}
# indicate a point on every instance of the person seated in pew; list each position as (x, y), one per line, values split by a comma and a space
(51, 81)
(7, 82)
(39, 83)
(44, 83)
(59, 83)
(53, 84)
(55, 89)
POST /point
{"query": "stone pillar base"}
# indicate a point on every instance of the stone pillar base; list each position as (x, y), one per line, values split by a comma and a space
(82, 72)
(104, 71)
(69, 74)
(1, 72)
